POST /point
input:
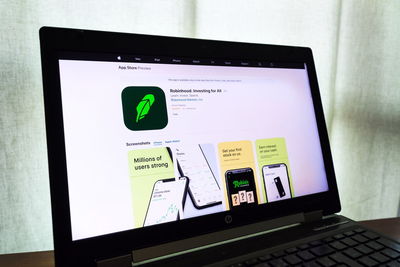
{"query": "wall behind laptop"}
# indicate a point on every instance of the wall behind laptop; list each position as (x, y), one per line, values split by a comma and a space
(355, 45)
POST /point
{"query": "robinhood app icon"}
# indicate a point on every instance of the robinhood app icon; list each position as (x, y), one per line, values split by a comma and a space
(144, 108)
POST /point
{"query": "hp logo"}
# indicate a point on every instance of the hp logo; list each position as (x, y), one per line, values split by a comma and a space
(228, 219)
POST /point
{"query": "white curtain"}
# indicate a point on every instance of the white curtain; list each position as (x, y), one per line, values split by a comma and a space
(356, 49)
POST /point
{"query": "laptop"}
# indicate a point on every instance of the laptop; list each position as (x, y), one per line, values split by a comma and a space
(169, 151)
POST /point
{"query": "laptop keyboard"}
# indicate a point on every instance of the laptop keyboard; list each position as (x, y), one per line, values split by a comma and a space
(358, 247)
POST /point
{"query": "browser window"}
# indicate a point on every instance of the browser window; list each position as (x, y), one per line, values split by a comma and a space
(155, 140)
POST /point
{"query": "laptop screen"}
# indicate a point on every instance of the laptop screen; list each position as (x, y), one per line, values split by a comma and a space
(152, 140)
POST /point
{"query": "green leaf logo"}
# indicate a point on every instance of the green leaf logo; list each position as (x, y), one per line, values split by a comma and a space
(144, 106)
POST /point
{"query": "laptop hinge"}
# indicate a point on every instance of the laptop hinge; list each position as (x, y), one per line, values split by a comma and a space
(185, 246)
(312, 216)
(120, 261)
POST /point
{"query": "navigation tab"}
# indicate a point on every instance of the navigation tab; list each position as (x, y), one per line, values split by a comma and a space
(181, 60)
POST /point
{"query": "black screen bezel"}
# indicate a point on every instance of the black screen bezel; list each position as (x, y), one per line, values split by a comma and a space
(53, 41)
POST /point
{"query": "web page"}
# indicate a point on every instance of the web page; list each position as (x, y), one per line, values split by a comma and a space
(153, 143)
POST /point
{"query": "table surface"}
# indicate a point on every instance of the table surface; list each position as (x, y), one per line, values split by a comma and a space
(389, 227)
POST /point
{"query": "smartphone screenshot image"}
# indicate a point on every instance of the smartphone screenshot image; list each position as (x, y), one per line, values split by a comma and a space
(204, 189)
(241, 188)
(167, 199)
(276, 182)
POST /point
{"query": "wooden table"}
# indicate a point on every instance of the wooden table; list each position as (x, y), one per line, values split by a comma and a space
(389, 227)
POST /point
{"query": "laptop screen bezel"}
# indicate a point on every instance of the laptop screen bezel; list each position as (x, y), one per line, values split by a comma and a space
(54, 41)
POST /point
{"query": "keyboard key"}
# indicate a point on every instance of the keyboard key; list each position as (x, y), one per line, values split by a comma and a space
(291, 250)
(292, 259)
(359, 230)
(315, 243)
(370, 235)
(350, 242)
(265, 258)
(339, 236)
(305, 255)
(326, 262)
(368, 261)
(379, 257)
(390, 244)
(340, 258)
(263, 264)
(303, 246)
(279, 254)
(338, 245)
(237, 265)
(360, 238)
(391, 253)
(328, 240)
(349, 233)
(352, 253)
(311, 264)
(374, 245)
(278, 263)
(251, 262)
(364, 249)
(393, 264)
(322, 250)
